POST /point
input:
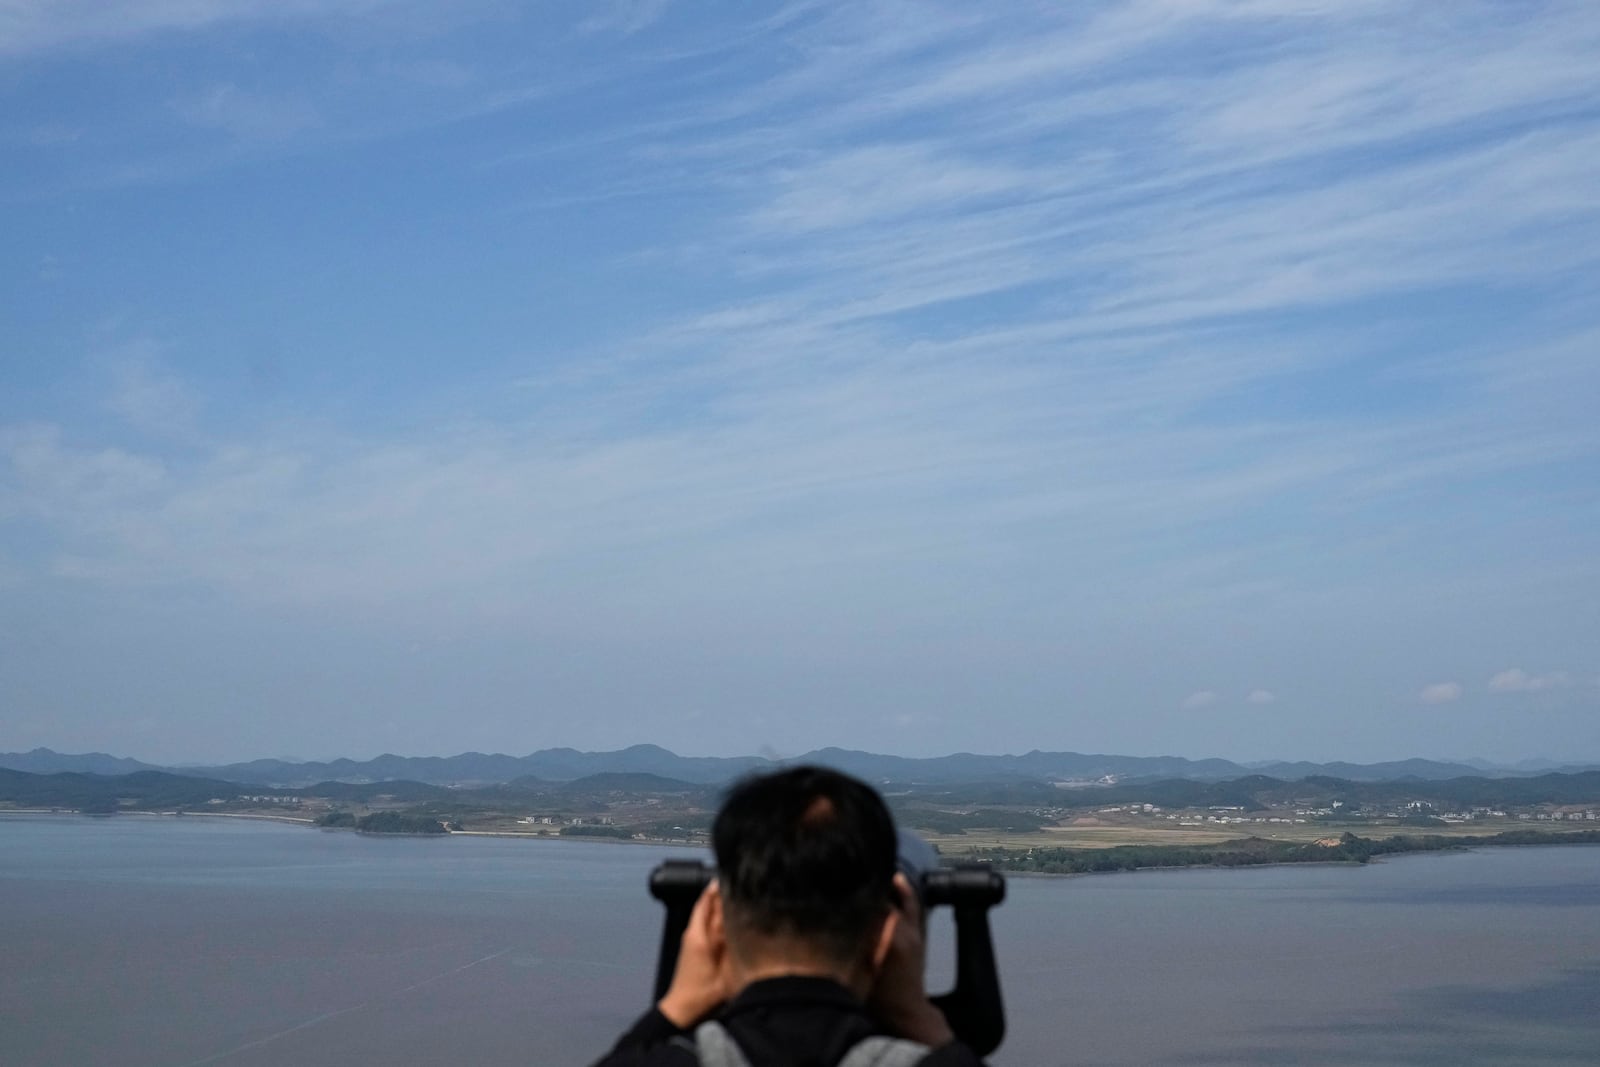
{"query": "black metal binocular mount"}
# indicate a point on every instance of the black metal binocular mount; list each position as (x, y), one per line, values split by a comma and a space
(973, 1006)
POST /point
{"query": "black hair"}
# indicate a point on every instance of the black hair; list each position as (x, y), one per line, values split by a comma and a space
(806, 852)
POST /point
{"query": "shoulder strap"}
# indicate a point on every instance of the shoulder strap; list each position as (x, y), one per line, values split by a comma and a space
(884, 1052)
(716, 1047)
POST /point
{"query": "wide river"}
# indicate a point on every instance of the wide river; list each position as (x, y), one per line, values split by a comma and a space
(180, 942)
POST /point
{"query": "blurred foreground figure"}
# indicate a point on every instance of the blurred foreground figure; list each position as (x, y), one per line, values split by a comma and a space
(807, 950)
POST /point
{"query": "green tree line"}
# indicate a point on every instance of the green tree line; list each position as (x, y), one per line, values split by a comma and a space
(1255, 851)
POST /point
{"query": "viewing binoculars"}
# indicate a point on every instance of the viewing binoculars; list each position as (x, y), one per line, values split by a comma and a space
(973, 1006)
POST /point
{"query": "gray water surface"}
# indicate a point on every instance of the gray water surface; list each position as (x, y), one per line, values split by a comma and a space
(150, 941)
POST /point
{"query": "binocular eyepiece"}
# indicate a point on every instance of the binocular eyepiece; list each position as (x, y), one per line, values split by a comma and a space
(967, 885)
(973, 1007)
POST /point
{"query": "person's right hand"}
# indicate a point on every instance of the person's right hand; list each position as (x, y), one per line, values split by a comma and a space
(899, 999)
(700, 984)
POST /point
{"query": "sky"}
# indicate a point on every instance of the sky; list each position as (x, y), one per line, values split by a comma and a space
(1194, 377)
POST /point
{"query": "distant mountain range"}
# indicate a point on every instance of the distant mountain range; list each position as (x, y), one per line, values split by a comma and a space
(924, 806)
(567, 764)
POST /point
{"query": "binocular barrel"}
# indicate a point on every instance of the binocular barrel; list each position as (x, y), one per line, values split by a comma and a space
(973, 1006)
(677, 884)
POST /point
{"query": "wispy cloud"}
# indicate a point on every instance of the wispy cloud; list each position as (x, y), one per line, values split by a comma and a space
(149, 396)
(1517, 680)
(879, 183)
(623, 16)
(1108, 283)
(1441, 693)
(34, 25)
(1117, 298)
(1195, 701)
(247, 116)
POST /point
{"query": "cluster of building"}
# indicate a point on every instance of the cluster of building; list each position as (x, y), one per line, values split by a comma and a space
(1566, 814)
(1233, 815)
(270, 800)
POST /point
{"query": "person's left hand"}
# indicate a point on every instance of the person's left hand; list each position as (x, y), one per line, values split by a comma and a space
(700, 984)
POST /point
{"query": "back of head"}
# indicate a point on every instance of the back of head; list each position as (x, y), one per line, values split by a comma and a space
(808, 855)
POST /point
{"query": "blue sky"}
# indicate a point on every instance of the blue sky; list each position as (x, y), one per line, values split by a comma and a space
(1171, 376)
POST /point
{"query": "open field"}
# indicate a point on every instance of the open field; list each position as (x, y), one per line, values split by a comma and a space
(1165, 833)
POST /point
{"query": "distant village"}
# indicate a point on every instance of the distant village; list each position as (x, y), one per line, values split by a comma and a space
(1223, 815)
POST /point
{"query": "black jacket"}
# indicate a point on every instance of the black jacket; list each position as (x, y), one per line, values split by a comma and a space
(779, 1022)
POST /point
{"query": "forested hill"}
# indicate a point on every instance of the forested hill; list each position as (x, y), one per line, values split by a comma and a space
(97, 792)
(566, 764)
(45, 761)
(162, 790)
(1260, 792)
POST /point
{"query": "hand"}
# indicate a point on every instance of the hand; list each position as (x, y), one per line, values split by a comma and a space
(898, 997)
(700, 983)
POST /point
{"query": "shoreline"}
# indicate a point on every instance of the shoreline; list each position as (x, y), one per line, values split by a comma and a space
(161, 814)
(1438, 845)
(571, 839)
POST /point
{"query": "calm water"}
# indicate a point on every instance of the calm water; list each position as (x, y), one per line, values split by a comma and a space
(183, 942)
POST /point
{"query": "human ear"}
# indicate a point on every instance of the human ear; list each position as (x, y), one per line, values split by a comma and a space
(885, 940)
(714, 921)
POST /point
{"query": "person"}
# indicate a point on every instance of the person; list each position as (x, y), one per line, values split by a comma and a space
(807, 948)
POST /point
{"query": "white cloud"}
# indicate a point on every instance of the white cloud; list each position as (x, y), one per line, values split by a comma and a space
(78, 491)
(1261, 696)
(149, 396)
(32, 25)
(1516, 680)
(1204, 698)
(249, 116)
(1440, 693)
(880, 182)
(623, 16)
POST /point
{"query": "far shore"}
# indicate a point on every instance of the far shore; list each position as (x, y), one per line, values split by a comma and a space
(301, 821)
(298, 821)
(1551, 839)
